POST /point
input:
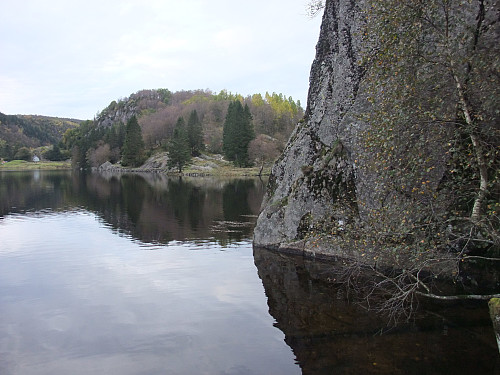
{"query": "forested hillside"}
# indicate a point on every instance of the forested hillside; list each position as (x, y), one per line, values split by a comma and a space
(272, 119)
(29, 132)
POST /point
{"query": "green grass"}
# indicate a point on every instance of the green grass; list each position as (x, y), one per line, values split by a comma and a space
(216, 167)
(221, 168)
(22, 165)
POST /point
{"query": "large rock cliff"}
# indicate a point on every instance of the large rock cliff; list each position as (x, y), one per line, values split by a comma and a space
(323, 180)
(316, 177)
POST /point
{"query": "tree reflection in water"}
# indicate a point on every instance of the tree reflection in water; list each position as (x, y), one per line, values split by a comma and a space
(329, 335)
(150, 207)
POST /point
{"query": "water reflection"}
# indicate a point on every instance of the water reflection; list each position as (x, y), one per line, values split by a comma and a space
(152, 208)
(32, 191)
(331, 336)
(77, 299)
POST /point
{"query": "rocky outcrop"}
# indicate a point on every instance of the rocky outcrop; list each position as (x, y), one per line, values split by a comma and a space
(117, 113)
(316, 178)
(105, 167)
(322, 179)
(125, 108)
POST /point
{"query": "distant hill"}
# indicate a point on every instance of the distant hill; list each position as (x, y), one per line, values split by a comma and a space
(273, 117)
(33, 130)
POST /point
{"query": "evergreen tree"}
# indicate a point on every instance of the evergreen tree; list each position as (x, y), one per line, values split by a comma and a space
(237, 133)
(228, 136)
(5, 150)
(133, 148)
(111, 137)
(178, 148)
(54, 154)
(3, 147)
(23, 153)
(120, 134)
(195, 134)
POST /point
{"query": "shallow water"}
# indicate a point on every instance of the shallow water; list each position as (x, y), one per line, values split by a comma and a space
(130, 274)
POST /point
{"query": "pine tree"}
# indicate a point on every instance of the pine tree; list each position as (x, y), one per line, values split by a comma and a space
(178, 148)
(228, 135)
(54, 154)
(133, 148)
(195, 134)
(237, 133)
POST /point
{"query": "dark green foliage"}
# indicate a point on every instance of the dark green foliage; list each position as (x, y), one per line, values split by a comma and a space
(195, 134)
(165, 95)
(178, 148)
(23, 153)
(237, 134)
(31, 131)
(54, 154)
(115, 136)
(80, 140)
(49, 130)
(133, 148)
(5, 150)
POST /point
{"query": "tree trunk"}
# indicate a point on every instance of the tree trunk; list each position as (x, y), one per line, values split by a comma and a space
(478, 150)
(472, 129)
(483, 179)
(261, 168)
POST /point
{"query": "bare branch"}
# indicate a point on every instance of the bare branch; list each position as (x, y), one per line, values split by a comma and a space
(459, 297)
(314, 7)
(479, 257)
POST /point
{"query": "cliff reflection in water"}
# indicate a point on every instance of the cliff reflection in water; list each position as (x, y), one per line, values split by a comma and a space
(150, 207)
(329, 335)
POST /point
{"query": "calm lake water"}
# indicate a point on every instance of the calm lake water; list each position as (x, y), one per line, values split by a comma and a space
(144, 274)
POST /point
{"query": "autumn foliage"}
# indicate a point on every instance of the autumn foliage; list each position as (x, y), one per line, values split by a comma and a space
(157, 111)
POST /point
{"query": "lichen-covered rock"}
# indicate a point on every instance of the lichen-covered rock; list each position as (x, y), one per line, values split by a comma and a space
(107, 166)
(315, 178)
(323, 182)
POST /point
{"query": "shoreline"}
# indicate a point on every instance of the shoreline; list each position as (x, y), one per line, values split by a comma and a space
(191, 171)
(22, 165)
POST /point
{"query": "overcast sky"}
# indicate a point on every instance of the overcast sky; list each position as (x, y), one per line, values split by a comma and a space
(72, 58)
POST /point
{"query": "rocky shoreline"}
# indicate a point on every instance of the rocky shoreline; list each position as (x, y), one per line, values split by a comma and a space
(203, 166)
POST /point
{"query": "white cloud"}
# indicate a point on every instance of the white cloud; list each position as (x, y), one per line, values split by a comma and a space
(72, 58)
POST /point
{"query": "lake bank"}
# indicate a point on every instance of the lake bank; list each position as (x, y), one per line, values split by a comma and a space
(22, 165)
(205, 165)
